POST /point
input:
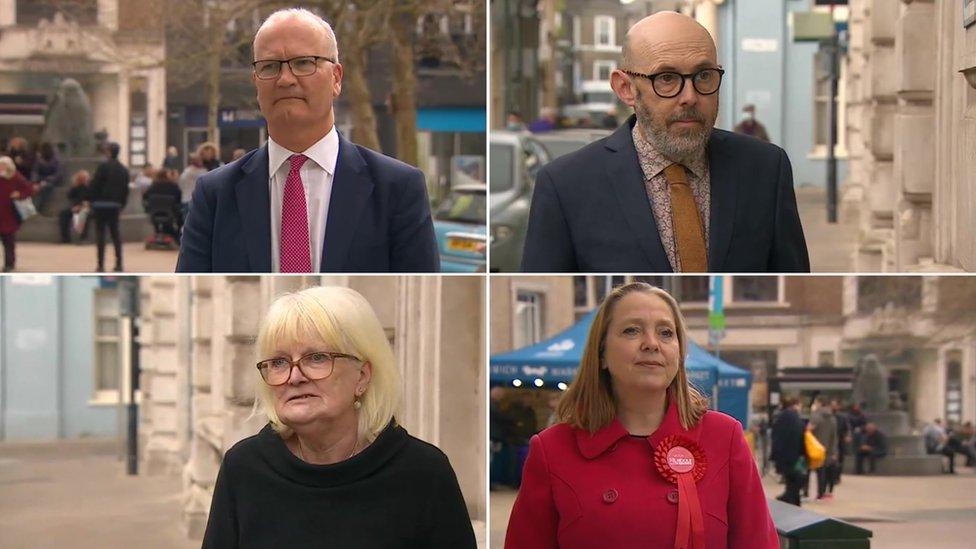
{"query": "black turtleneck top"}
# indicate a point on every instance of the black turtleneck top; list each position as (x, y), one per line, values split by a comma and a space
(399, 492)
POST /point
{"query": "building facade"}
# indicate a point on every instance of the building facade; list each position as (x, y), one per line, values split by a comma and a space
(912, 130)
(60, 349)
(113, 48)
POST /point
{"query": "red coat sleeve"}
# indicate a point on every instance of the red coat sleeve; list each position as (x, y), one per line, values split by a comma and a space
(23, 186)
(750, 524)
(534, 521)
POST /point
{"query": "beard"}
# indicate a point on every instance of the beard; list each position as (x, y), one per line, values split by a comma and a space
(679, 145)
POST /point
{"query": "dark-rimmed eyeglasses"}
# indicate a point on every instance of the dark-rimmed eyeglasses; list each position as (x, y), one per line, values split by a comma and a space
(314, 366)
(269, 69)
(668, 84)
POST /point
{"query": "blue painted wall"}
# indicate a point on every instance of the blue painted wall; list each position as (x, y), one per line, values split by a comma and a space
(779, 83)
(46, 361)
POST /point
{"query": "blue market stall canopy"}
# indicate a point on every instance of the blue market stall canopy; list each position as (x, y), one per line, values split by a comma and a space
(554, 361)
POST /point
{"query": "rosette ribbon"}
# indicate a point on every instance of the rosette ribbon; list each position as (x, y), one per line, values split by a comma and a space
(682, 461)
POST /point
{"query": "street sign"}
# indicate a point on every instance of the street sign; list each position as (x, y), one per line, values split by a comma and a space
(716, 310)
(812, 26)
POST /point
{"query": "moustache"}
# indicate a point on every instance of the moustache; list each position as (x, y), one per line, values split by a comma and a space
(687, 115)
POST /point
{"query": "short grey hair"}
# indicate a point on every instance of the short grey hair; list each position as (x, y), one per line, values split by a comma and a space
(304, 14)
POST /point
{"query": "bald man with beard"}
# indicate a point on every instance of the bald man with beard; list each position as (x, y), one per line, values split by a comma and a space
(667, 192)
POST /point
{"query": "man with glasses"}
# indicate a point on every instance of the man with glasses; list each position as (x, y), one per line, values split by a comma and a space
(666, 191)
(309, 200)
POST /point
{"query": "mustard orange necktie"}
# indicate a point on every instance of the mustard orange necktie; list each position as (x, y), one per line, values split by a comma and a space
(689, 235)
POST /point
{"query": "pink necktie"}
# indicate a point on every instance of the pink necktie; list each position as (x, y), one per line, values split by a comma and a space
(293, 252)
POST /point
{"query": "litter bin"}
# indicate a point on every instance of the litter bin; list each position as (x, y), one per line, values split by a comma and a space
(799, 528)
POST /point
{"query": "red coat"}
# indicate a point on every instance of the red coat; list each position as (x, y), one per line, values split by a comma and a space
(8, 220)
(602, 490)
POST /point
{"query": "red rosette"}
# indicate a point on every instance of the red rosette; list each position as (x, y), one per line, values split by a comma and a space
(677, 441)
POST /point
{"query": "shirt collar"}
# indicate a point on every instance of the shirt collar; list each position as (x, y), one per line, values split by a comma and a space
(592, 445)
(653, 162)
(323, 152)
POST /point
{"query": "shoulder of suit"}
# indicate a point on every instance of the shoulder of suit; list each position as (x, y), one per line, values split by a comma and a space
(583, 160)
(744, 144)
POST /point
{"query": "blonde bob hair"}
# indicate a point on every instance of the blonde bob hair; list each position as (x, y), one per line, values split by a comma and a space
(344, 322)
(589, 404)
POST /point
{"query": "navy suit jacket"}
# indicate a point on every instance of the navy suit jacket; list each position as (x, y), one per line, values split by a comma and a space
(379, 217)
(590, 211)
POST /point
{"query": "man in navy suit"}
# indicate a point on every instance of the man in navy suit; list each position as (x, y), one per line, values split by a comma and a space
(309, 200)
(667, 192)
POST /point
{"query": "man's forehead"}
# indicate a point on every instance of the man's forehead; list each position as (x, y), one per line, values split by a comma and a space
(685, 55)
(293, 32)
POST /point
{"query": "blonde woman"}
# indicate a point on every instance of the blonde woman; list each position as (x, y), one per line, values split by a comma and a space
(638, 461)
(332, 468)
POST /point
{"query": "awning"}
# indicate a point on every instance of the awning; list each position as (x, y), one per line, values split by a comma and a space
(452, 119)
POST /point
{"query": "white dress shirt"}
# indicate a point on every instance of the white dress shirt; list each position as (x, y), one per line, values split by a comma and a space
(317, 174)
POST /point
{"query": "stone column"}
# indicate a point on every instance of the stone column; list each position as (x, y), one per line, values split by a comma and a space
(876, 247)
(159, 387)
(203, 461)
(914, 136)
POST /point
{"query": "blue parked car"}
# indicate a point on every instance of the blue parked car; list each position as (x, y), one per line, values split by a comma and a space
(460, 225)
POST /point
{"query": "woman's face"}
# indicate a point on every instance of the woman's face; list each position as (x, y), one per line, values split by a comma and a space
(301, 401)
(641, 349)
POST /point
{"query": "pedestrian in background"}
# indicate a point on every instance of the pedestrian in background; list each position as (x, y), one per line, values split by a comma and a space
(209, 155)
(499, 432)
(843, 438)
(873, 446)
(46, 174)
(750, 126)
(108, 195)
(788, 450)
(824, 427)
(77, 196)
(13, 186)
(23, 157)
(172, 160)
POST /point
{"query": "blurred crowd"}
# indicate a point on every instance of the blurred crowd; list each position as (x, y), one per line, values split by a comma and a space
(36, 181)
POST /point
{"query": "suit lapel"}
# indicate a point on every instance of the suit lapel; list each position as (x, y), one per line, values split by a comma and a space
(254, 203)
(723, 201)
(627, 181)
(351, 187)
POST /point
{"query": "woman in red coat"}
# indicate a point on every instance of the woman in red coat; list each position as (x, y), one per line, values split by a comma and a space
(638, 461)
(13, 186)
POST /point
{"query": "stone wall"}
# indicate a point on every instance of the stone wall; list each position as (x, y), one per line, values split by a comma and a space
(911, 132)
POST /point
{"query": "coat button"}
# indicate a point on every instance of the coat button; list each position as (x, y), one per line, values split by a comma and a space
(673, 496)
(610, 496)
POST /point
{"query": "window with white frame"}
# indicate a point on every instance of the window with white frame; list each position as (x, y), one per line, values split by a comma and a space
(602, 70)
(528, 318)
(108, 344)
(757, 289)
(604, 31)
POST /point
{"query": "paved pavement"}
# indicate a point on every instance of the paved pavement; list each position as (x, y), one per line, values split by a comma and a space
(830, 244)
(39, 257)
(76, 494)
(902, 512)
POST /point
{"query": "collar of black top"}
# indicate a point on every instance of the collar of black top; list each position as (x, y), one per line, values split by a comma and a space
(364, 464)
